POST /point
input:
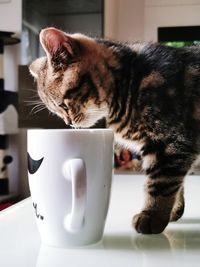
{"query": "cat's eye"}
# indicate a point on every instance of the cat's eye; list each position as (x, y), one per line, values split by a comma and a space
(63, 106)
(72, 93)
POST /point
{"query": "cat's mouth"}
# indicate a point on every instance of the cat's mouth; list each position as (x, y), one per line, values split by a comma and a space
(65, 115)
(67, 120)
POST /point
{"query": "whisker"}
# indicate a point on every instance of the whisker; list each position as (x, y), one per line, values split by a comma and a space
(33, 103)
(30, 90)
(35, 96)
(38, 101)
(39, 106)
(38, 110)
(32, 93)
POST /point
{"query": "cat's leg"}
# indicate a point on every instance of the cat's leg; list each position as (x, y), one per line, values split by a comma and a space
(179, 206)
(160, 199)
(162, 189)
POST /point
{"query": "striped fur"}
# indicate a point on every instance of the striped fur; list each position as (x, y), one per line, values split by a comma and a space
(150, 97)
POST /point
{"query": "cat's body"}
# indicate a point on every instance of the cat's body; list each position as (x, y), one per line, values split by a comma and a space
(150, 97)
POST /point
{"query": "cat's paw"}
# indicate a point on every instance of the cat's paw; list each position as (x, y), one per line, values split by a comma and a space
(150, 222)
(176, 214)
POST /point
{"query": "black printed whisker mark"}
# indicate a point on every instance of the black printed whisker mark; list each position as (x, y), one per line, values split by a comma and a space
(39, 216)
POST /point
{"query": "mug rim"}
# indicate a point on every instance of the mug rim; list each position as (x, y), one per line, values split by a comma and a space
(70, 130)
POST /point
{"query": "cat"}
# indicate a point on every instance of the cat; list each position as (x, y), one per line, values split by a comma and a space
(150, 97)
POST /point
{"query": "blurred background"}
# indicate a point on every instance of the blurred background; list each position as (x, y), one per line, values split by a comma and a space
(172, 22)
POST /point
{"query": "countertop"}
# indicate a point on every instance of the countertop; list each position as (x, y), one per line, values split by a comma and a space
(121, 245)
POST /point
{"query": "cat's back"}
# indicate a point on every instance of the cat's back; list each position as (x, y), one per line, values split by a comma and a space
(190, 57)
(169, 82)
(160, 56)
(179, 67)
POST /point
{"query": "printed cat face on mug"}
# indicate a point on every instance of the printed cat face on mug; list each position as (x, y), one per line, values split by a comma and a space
(70, 70)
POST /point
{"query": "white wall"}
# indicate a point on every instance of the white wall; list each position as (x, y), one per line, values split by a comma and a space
(166, 13)
(124, 20)
(11, 20)
(110, 19)
(10, 15)
(130, 20)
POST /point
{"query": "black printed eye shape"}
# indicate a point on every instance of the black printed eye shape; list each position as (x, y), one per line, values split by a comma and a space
(33, 165)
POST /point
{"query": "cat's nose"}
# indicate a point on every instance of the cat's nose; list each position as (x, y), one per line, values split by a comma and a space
(67, 120)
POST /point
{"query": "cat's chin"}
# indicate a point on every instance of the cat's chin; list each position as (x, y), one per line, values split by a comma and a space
(67, 120)
(82, 125)
(75, 125)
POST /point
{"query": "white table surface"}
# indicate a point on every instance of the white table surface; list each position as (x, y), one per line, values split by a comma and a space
(179, 245)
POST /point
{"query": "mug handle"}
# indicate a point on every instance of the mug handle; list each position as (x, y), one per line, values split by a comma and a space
(74, 170)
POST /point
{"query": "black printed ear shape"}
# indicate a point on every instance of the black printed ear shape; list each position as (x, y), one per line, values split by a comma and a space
(33, 165)
(60, 47)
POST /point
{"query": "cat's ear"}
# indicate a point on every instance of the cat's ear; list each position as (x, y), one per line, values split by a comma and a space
(59, 47)
(36, 66)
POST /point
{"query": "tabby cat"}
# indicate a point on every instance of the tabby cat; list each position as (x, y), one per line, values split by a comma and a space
(150, 97)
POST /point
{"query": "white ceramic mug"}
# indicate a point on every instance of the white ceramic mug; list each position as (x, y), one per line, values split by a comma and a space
(70, 174)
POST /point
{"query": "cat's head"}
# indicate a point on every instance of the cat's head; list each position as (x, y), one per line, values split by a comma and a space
(71, 78)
